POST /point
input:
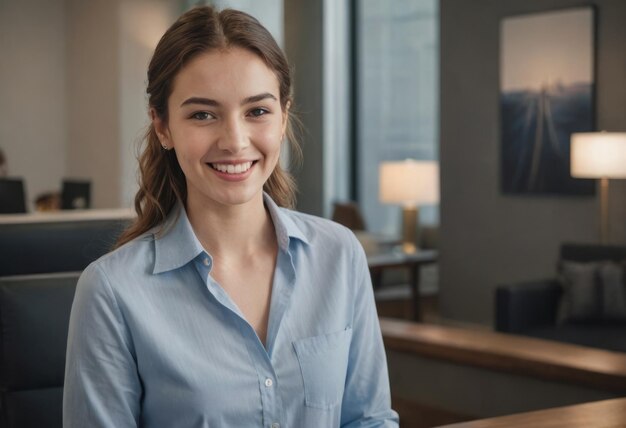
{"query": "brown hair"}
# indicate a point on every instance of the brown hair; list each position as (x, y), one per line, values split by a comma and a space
(202, 29)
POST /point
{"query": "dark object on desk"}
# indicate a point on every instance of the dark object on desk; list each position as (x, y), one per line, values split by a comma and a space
(532, 308)
(61, 246)
(349, 215)
(34, 318)
(76, 195)
(12, 199)
(48, 201)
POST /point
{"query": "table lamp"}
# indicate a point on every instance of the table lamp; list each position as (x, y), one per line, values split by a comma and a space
(410, 183)
(599, 155)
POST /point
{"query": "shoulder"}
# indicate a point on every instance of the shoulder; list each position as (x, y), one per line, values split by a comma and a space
(122, 264)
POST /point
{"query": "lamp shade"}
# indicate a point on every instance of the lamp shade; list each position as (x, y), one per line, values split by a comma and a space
(409, 182)
(598, 155)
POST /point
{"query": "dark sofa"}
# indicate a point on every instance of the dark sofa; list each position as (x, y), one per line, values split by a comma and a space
(532, 308)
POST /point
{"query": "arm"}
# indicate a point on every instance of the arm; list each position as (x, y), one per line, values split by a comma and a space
(102, 387)
(366, 400)
(525, 305)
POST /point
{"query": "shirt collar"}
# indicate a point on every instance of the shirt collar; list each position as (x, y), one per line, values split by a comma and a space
(285, 227)
(176, 244)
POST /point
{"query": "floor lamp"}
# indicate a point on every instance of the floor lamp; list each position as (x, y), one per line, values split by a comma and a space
(409, 183)
(599, 155)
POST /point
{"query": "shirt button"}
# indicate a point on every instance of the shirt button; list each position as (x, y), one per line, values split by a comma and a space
(275, 425)
(268, 383)
(206, 261)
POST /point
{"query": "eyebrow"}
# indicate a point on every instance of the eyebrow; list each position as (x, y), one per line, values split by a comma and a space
(213, 103)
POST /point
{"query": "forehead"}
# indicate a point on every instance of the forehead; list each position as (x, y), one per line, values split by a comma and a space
(225, 76)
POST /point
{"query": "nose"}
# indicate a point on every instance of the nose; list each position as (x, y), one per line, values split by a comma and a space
(234, 137)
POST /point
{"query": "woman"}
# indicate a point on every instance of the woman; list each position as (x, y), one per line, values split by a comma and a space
(221, 307)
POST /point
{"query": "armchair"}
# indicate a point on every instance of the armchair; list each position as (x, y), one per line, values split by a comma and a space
(531, 308)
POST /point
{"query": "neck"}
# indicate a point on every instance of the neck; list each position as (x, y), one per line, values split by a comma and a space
(228, 231)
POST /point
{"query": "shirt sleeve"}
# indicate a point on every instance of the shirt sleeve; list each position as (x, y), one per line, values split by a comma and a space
(102, 386)
(366, 401)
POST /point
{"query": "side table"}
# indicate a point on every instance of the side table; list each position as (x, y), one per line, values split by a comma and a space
(390, 259)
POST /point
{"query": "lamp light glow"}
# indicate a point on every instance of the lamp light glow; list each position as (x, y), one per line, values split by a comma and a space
(409, 183)
(598, 155)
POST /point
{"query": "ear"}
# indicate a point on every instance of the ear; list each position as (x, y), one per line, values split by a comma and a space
(162, 130)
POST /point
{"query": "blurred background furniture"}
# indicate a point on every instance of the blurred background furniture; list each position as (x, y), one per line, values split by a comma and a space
(41, 258)
(532, 308)
(599, 155)
(58, 242)
(12, 197)
(75, 194)
(34, 318)
(411, 263)
(399, 278)
(348, 214)
(409, 183)
(602, 414)
(441, 374)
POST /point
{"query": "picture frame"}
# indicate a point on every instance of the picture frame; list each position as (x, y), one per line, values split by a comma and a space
(547, 92)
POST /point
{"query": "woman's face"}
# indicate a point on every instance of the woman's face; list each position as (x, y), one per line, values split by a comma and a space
(226, 126)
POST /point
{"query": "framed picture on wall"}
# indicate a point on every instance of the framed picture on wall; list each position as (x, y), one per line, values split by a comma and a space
(547, 92)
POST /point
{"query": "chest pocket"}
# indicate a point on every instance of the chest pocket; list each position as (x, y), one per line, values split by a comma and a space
(324, 362)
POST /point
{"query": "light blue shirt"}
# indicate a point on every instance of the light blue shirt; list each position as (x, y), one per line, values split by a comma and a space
(154, 341)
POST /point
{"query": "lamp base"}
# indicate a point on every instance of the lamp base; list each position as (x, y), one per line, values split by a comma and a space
(604, 211)
(409, 229)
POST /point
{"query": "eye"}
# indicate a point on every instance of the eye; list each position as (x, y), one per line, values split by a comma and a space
(201, 115)
(258, 112)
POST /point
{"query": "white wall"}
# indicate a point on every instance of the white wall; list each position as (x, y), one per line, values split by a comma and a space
(142, 23)
(72, 91)
(33, 118)
(93, 98)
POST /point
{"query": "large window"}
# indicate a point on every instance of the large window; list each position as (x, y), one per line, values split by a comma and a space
(396, 97)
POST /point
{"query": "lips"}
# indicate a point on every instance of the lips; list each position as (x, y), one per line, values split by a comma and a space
(232, 168)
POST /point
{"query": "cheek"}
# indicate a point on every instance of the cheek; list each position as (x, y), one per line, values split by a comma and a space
(270, 140)
(187, 142)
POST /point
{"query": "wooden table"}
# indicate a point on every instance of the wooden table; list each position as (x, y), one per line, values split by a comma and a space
(599, 414)
(391, 259)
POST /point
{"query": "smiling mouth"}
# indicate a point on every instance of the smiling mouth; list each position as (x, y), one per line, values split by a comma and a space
(229, 168)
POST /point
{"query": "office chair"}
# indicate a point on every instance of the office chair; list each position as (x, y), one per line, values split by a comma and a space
(349, 215)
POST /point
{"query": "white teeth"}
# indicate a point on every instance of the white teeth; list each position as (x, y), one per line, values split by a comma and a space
(232, 169)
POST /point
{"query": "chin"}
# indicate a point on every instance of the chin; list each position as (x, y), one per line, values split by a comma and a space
(237, 197)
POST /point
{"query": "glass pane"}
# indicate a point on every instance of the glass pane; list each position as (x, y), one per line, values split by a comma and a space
(397, 111)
